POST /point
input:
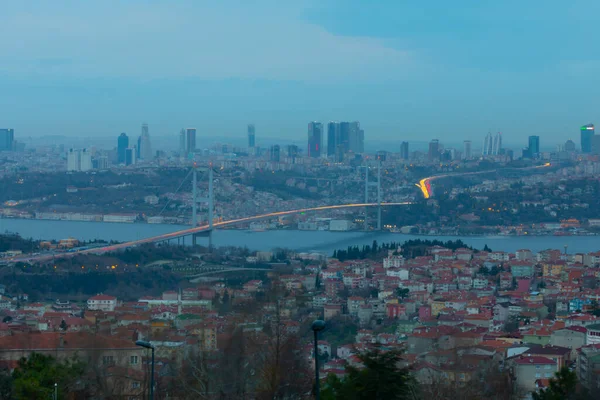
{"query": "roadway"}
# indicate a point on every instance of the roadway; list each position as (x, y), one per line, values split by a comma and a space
(191, 231)
(425, 183)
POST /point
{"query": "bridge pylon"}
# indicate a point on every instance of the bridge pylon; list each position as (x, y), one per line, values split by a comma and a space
(209, 200)
(368, 194)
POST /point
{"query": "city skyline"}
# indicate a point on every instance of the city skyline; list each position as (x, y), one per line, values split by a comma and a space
(411, 79)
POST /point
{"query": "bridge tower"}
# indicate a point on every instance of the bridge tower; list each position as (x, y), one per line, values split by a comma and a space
(208, 200)
(368, 193)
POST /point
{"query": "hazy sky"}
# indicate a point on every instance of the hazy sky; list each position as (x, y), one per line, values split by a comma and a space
(406, 70)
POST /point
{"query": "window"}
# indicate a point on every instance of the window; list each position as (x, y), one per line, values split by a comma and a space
(547, 366)
(538, 375)
(106, 360)
(537, 367)
(548, 375)
(133, 360)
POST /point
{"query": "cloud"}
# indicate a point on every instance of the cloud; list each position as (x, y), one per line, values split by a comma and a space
(187, 40)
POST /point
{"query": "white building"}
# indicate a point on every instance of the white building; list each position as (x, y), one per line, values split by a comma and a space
(102, 302)
(79, 160)
(593, 334)
(340, 225)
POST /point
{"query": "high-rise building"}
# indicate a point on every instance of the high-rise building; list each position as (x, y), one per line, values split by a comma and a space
(344, 136)
(182, 141)
(467, 150)
(570, 146)
(122, 144)
(275, 153)
(333, 137)
(130, 156)
(72, 160)
(85, 160)
(596, 144)
(315, 139)
(145, 148)
(492, 144)
(534, 146)
(587, 133)
(191, 140)
(356, 139)
(497, 146)
(79, 160)
(251, 136)
(292, 151)
(434, 150)
(404, 151)
(7, 139)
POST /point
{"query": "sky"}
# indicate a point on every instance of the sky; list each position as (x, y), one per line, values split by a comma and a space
(405, 70)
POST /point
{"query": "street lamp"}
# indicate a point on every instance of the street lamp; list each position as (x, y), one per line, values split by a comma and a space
(147, 345)
(317, 326)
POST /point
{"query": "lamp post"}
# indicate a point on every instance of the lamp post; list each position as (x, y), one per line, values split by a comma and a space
(317, 326)
(147, 345)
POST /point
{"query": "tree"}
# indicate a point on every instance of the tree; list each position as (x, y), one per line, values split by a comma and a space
(402, 292)
(63, 325)
(562, 387)
(381, 378)
(34, 378)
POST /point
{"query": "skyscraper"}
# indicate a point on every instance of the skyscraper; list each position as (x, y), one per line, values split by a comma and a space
(492, 144)
(534, 146)
(275, 153)
(569, 146)
(333, 137)
(79, 160)
(182, 142)
(85, 160)
(191, 140)
(7, 139)
(587, 133)
(315, 139)
(72, 160)
(129, 156)
(145, 146)
(356, 138)
(251, 136)
(404, 150)
(497, 146)
(344, 138)
(122, 144)
(467, 150)
(434, 150)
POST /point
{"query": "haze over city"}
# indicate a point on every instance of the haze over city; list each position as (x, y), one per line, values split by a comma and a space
(299, 200)
(407, 72)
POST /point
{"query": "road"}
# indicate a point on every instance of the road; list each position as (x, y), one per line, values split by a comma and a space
(425, 183)
(190, 231)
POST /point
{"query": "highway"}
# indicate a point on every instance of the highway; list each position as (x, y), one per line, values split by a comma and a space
(425, 183)
(190, 231)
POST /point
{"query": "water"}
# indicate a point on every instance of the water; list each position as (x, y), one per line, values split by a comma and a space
(319, 241)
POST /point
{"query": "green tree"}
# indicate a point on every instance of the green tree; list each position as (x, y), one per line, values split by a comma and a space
(381, 378)
(562, 387)
(402, 292)
(34, 378)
